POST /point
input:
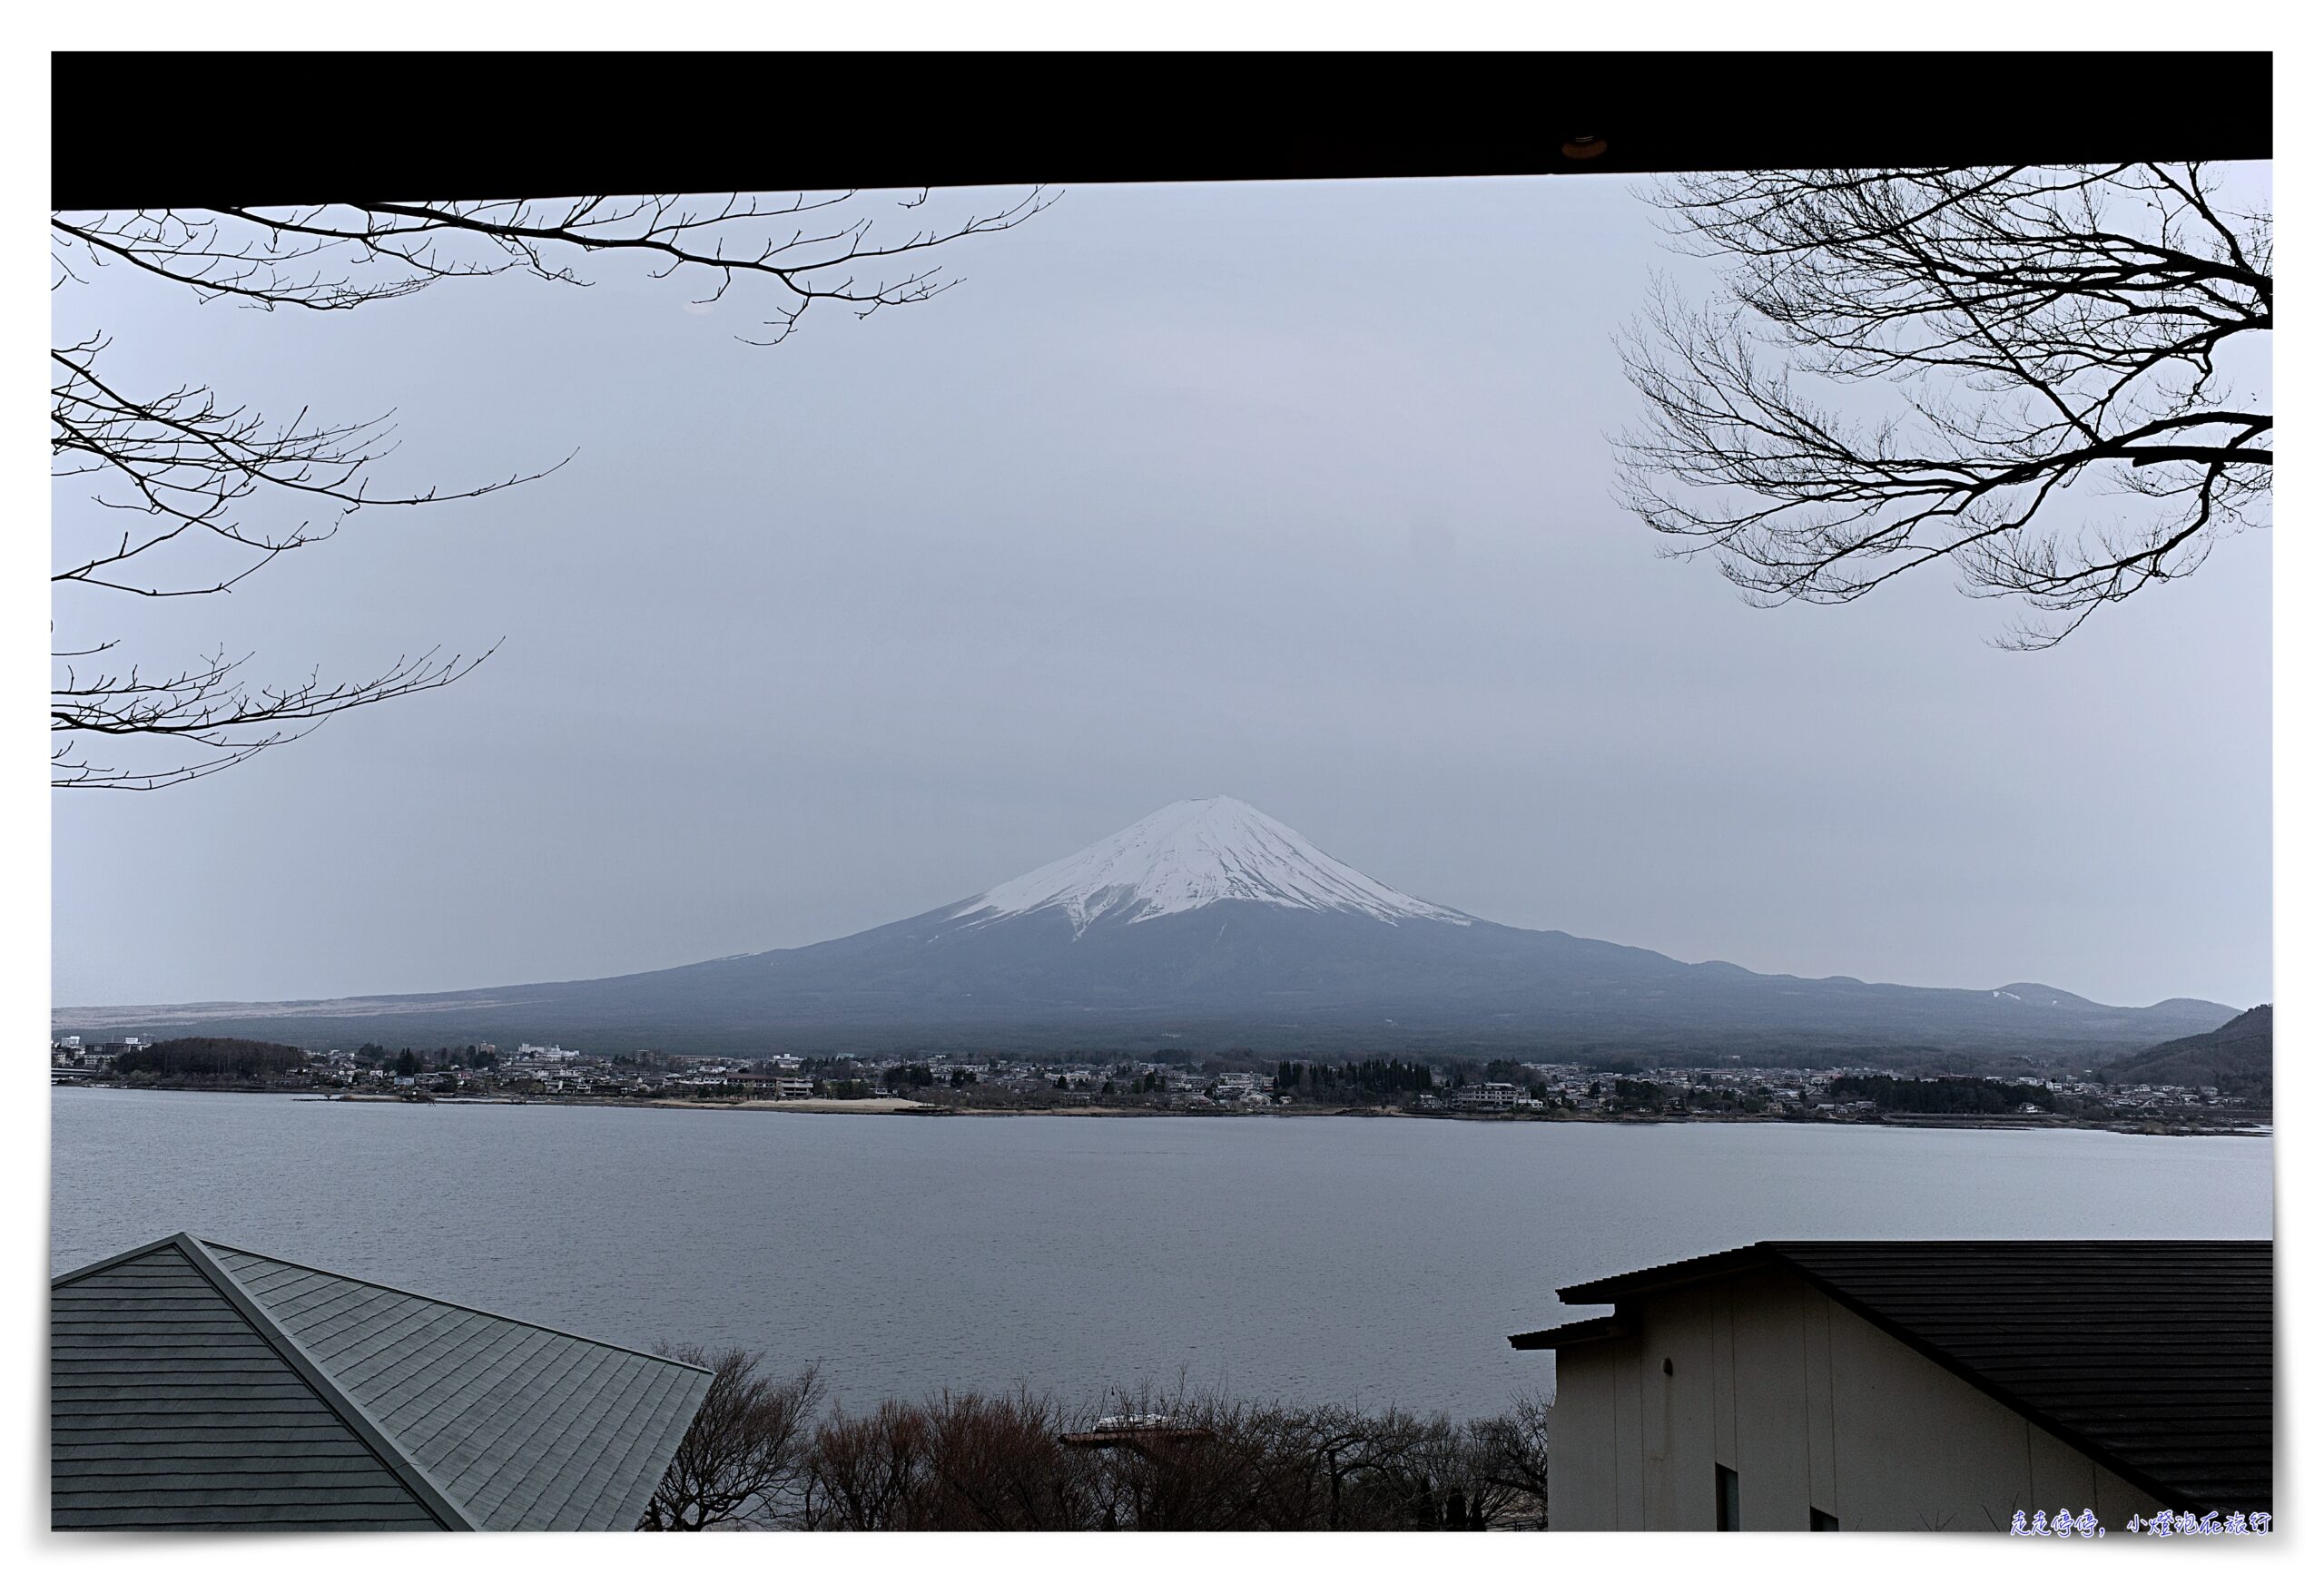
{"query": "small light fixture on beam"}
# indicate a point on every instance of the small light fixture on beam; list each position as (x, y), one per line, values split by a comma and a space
(1584, 148)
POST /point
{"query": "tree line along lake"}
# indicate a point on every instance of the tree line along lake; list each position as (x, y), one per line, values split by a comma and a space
(1333, 1260)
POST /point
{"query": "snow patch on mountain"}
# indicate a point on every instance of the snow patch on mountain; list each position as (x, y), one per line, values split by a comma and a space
(1190, 855)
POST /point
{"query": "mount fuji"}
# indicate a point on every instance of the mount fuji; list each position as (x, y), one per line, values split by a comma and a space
(1193, 855)
(1207, 925)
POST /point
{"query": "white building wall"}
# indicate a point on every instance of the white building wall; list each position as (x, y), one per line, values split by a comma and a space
(1584, 1460)
(1811, 1406)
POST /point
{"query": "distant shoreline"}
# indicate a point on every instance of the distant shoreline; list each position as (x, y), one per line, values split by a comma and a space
(894, 1107)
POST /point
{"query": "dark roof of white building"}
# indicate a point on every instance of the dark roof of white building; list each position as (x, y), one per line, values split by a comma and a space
(2155, 1359)
(198, 1385)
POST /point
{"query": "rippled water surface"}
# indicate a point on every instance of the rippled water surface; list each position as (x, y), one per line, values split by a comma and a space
(1372, 1259)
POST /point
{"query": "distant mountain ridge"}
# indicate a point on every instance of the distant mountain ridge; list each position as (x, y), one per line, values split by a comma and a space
(2239, 1057)
(1206, 924)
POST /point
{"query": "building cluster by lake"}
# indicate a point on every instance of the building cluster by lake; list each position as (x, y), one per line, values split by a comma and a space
(1189, 1082)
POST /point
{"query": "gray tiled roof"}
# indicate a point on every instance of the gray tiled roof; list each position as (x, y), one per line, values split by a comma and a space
(2156, 1358)
(169, 1408)
(524, 1427)
(196, 1384)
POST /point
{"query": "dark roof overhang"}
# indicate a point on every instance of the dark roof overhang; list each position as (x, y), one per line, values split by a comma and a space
(1613, 1327)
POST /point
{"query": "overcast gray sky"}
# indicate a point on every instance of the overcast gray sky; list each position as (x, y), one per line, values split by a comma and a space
(1295, 493)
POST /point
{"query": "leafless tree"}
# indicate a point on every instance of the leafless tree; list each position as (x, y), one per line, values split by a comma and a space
(995, 1463)
(1160, 1459)
(1225, 1465)
(866, 1474)
(2061, 380)
(957, 1463)
(181, 481)
(1362, 1464)
(742, 1456)
(1233, 1465)
(1508, 1463)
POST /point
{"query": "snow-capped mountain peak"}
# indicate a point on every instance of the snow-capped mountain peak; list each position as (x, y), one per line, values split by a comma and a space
(1190, 855)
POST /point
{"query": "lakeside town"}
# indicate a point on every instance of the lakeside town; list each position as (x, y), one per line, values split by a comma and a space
(1109, 1083)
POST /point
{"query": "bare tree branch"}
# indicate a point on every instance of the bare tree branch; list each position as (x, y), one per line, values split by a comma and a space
(175, 476)
(182, 462)
(209, 706)
(2050, 342)
(337, 257)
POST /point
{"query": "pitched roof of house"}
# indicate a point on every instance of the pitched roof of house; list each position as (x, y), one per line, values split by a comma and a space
(193, 1385)
(2155, 1359)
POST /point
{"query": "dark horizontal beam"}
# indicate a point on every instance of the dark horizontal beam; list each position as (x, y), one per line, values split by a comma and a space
(308, 128)
(1582, 1331)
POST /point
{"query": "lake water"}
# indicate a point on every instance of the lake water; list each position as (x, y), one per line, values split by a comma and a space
(1371, 1260)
